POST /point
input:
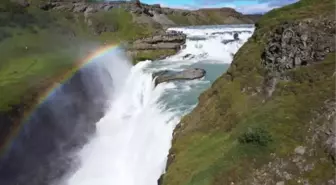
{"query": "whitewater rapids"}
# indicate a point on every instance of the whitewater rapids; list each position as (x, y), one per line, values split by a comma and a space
(132, 141)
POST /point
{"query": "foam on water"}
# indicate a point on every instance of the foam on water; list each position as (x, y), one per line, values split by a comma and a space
(133, 139)
(211, 47)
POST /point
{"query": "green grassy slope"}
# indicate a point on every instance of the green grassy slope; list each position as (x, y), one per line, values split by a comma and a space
(235, 137)
(37, 46)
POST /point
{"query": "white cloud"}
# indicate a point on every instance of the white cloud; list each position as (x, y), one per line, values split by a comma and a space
(185, 6)
(257, 8)
(245, 9)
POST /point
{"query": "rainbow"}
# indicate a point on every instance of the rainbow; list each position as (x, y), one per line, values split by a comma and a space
(58, 83)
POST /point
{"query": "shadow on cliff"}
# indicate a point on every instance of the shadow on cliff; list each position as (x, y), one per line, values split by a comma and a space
(40, 153)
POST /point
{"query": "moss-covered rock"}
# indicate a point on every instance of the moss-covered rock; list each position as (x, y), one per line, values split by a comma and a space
(247, 127)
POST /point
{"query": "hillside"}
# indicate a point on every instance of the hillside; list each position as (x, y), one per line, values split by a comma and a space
(208, 16)
(270, 119)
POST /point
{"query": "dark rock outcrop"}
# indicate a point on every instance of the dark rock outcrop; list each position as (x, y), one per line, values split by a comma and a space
(159, 46)
(235, 38)
(297, 44)
(188, 74)
(187, 56)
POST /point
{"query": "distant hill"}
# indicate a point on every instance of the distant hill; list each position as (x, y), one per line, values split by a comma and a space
(151, 14)
(253, 17)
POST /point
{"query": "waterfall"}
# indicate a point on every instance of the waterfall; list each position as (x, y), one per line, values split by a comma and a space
(132, 140)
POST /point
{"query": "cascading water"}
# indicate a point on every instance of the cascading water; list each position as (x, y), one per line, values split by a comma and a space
(132, 141)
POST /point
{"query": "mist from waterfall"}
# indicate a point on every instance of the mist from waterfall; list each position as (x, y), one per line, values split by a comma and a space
(131, 142)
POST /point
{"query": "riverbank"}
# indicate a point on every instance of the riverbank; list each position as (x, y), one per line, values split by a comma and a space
(270, 118)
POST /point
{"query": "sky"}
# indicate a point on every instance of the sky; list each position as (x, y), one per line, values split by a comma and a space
(244, 6)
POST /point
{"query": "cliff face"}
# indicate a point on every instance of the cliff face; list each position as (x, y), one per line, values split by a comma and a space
(102, 19)
(150, 14)
(270, 119)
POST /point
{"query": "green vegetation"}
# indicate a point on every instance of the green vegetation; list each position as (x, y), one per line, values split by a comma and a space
(232, 133)
(300, 10)
(257, 136)
(179, 19)
(37, 47)
(117, 26)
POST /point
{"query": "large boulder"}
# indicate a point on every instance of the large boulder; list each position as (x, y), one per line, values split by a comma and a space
(235, 38)
(168, 75)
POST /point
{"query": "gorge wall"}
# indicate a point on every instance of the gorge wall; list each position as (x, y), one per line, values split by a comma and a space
(40, 40)
(270, 119)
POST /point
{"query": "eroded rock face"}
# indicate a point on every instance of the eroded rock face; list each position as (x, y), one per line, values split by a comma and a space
(165, 43)
(162, 41)
(188, 74)
(297, 44)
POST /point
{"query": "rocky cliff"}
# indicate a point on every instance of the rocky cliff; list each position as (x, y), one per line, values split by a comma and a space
(157, 46)
(270, 119)
(153, 18)
(149, 14)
